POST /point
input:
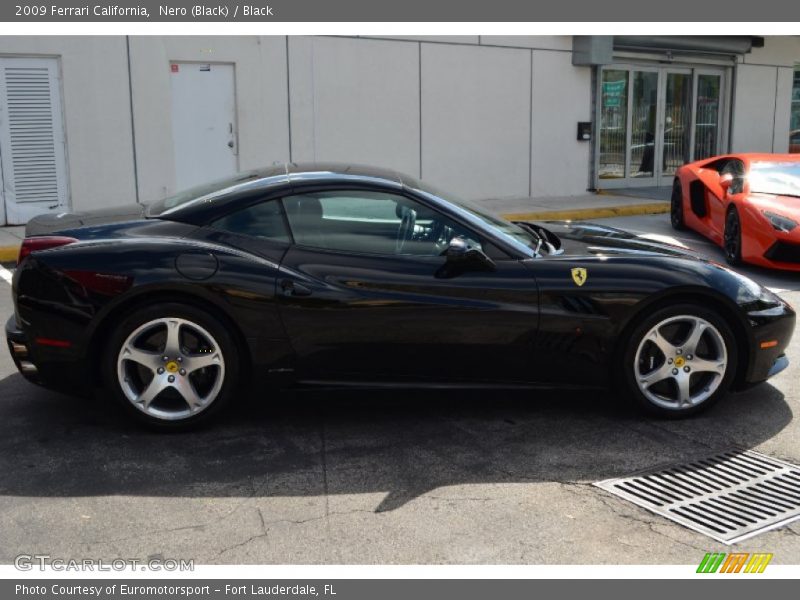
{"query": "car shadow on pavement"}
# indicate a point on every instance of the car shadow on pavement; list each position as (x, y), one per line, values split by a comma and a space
(400, 443)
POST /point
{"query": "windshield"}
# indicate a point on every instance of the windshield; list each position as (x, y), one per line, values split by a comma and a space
(779, 178)
(523, 239)
(204, 191)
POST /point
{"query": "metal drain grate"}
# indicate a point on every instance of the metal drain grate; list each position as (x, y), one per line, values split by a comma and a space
(730, 497)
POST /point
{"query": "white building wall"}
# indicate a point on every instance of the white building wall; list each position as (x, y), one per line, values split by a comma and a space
(459, 110)
(562, 96)
(355, 100)
(97, 122)
(261, 93)
(476, 110)
(762, 96)
(480, 115)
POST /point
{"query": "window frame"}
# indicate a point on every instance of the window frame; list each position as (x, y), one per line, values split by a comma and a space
(399, 192)
(248, 205)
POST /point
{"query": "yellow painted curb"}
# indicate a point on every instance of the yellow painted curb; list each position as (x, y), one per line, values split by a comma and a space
(9, 253)
(601, 212)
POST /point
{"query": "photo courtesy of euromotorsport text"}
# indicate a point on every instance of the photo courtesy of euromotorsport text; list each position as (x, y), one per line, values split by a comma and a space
(353, 300)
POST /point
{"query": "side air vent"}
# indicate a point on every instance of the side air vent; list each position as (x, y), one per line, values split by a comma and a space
(697, 197)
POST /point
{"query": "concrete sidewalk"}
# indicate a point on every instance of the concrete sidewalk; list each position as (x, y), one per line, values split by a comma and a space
(585, 206)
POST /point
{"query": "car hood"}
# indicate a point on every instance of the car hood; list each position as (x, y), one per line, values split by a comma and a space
(590, 239)
(788, 206)
(51, 223)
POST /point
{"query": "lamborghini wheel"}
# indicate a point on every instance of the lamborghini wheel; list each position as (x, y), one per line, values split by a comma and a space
(676, 206)
(732, 237)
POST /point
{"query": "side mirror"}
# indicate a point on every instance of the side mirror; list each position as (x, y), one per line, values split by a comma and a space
(725, 182)
(467, 253)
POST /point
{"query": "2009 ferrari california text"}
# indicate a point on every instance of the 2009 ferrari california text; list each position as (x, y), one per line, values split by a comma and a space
(354, 276)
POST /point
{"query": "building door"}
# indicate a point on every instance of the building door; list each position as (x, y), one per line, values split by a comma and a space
(203, 122)
(652, 120)
(33, 178)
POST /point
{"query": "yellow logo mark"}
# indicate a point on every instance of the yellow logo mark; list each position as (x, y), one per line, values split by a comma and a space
(579, 276)
(758, 562)
(172, 366)
(679, 362)
(734, 562)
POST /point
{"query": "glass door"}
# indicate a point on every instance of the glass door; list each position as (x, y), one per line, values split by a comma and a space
(676, 123)
(613, 133)
(653, 119)
(644, 111)
(707, 114)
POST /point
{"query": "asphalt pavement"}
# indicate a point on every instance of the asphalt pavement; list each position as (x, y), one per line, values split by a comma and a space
(366, 477)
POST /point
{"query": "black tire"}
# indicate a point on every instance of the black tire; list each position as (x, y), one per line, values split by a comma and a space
(227, 346)
(627, 370)
(676, 206)
(732, 237)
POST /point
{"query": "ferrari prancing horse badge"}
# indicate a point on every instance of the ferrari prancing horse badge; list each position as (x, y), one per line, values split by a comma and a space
(579, 276)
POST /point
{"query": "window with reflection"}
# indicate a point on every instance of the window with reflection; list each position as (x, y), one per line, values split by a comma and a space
(794, 129)
(369, 222)
(613, 123)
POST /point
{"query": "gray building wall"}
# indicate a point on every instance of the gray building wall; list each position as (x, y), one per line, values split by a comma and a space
(96, 108)
(762, 96)
(481, 116)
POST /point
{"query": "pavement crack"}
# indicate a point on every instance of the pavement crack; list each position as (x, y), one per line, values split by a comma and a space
(263, 534)
(255, 490)
(266, 524)
(324, 461)
(653, 524)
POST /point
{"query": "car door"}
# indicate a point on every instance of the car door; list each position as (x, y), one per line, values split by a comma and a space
(365, 294)
(716, 196)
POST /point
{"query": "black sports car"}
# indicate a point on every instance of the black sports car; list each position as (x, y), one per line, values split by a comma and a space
(354, 276)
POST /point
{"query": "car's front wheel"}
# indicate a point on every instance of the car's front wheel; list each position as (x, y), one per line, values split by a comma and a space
(732, 238)
(676, 206)
(679, 360)
(171, 365)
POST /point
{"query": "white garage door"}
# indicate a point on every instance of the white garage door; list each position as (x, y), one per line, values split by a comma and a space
(203, 122)
(32, 153)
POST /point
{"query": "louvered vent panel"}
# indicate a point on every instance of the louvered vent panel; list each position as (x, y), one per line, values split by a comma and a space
(730, 497)
(31, 137)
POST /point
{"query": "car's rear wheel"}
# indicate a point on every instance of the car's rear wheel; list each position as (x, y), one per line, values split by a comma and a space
(732, 238)
(172, 366)
(676, 206)
(679, 360)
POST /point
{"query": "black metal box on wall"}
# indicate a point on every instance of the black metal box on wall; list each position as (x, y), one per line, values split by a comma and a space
(584, 131)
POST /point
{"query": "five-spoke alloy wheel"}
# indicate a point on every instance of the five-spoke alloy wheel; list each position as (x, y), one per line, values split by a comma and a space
(172, 364)
(681, 359)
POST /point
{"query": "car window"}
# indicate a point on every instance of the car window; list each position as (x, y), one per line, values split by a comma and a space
(775, 177)
(262, 220)
(734, 167)
(370, 222)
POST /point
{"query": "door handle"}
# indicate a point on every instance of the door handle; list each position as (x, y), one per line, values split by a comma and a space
(292, 288)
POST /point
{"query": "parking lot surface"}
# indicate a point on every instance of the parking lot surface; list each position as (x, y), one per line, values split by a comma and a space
(367, 477)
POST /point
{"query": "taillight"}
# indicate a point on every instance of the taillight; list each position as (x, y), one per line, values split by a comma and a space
(32, 244)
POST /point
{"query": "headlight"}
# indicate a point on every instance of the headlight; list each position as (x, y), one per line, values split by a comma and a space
(780, 222)
(749, 292)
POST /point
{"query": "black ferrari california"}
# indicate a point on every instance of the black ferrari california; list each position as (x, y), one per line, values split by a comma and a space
(354, 276)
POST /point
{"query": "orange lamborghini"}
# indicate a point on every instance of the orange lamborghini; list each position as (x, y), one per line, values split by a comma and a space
(749, 204)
